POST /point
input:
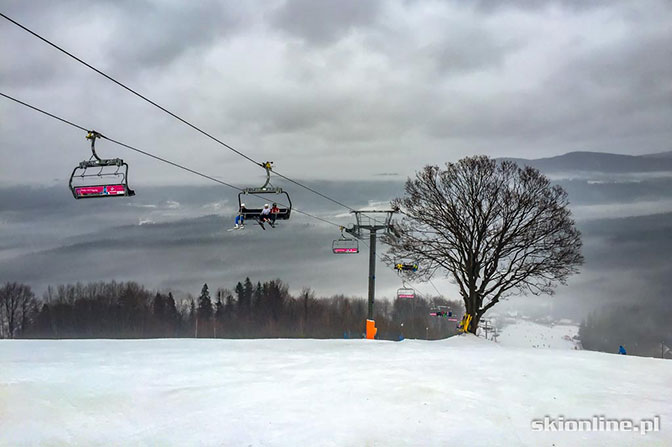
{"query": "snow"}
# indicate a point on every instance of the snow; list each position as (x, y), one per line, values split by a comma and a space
(535, 335)
(459, 391)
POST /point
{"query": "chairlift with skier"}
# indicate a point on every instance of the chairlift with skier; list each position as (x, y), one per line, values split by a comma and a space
(265, 214)
(442, 311)
(402, 267)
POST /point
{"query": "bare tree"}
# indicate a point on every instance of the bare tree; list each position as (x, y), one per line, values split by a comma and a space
(17, 301)
(494, 228)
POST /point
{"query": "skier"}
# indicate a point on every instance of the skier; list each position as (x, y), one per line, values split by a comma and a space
(265, 216)
(621, 350)
(240, 218)
(274, 213)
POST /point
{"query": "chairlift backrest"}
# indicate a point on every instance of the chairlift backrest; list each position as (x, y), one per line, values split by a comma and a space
(345, 246)
(405, 293)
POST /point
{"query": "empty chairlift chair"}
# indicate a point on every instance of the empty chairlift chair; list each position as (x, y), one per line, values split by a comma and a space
(406, 293)
(405, 268)
(345, 245)
(99, 177)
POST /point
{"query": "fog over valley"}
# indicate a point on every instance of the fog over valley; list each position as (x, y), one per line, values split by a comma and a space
(175, 237)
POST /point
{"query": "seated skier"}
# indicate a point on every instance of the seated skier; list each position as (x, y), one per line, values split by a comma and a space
(265, 216)
(274, 213)
(240, 218)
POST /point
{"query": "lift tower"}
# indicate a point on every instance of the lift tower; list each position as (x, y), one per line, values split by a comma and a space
(373, 221)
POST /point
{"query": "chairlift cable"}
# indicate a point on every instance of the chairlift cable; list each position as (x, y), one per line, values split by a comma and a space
(437, 290)
(148, 154)
(44, 112)
(198, 129)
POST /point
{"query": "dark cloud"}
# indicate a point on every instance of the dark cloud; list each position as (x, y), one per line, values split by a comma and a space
(131, 35)
(470, 50)
(160, 32)
(322, 23)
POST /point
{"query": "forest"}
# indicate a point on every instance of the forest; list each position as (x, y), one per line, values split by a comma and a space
(261, 310)
(643, 328)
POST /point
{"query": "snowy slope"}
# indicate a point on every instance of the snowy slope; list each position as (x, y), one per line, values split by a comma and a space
(535, 335)
(460, 391)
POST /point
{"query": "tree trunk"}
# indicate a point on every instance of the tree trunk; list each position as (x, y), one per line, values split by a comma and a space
(471, 304)
(473, 326)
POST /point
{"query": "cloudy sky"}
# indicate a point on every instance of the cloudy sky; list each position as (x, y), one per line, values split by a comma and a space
(334, 90)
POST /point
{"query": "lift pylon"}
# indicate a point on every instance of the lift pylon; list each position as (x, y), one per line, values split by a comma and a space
(371, 221)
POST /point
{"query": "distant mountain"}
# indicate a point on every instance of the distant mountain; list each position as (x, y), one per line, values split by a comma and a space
(667, 154)
(600, 162)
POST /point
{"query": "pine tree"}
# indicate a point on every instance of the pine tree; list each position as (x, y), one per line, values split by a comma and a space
(192, 315)
(219, 306)
(173, 317)
(248, 290)
(240, 294)
(204, 304)
(229, 304)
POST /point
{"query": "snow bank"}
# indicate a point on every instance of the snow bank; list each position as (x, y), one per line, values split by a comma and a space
(460, 391)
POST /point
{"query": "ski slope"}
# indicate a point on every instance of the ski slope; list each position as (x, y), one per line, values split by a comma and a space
(525, 333)
(460, 391)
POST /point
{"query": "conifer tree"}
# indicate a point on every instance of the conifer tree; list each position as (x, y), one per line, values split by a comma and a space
(204, 304)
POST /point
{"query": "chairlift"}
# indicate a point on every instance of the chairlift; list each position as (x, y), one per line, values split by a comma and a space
(405, 293)
(285, 209)
(442, 311)
(109, 180)
(345, 245)
(401, 267)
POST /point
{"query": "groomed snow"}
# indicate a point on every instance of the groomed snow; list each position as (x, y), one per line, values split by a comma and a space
(534, 335)
(460, 391)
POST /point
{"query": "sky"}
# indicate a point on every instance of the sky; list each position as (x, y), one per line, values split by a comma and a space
(332, 90)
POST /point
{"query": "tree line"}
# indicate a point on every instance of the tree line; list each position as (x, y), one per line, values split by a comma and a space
(261, 310)
(643, 328)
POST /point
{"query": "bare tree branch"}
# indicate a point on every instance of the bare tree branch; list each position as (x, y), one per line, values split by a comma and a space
(496, 229)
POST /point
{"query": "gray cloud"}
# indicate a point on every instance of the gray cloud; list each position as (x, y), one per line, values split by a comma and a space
(573, 5)
(162, 32)
(322, 23)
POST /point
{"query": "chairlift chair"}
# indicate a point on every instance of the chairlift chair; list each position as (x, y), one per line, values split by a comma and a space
(442, 311)
(405, 293)
(264, 191)
(401, 267)
(345, 245)
(110, 180)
